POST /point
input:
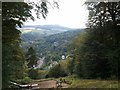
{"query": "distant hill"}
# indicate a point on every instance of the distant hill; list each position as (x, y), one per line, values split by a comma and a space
(51, 45)
(48, 27)
(31, 33)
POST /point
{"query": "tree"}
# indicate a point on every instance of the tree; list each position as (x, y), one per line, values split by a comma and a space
(13, 57)
(97, 51)
(90, 57)
(31, 57)
(105, 13)
(13, 15)
(105, 17)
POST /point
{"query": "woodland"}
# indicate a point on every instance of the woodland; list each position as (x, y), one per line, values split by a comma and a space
(93, 53)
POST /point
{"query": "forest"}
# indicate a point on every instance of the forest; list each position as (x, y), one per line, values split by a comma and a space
(91, 55)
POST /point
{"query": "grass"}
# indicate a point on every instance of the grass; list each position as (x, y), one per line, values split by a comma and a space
(75, 82)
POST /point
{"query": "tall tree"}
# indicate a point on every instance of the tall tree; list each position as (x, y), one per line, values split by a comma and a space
(13, 56)
(105, 16)
(105, 13)
(31, 57)
(13, 15)
(98, 49)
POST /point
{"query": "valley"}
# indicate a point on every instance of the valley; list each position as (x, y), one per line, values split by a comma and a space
(50, 42)
(70, 44)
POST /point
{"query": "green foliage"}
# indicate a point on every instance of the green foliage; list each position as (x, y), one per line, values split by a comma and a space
(53, 46)
(33, 73)
(70, 66)
(37, 74)
(25, 80)
(13, 64)
(96, 52)
(13, 59)
(91, 55)
(31, 57)
(57, 71)
(64, 68)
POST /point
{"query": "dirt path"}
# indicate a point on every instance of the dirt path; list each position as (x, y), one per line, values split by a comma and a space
(49, 84)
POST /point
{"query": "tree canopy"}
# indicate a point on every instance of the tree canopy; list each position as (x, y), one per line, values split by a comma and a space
(97, 50)
(13, 15)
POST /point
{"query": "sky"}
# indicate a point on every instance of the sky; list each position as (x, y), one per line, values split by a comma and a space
(71, 13)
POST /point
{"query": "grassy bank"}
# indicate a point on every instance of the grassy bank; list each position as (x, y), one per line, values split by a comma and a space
(75, 82)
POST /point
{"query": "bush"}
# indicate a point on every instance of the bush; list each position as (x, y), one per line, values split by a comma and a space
(37, 74)
(33, 73)
(25, 80)
(57, 71)
(42, 73)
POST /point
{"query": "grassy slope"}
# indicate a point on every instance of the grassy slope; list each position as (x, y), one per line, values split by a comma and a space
(75, 82)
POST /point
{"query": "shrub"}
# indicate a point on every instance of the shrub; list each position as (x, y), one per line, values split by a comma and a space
(57, 71)
(37, 74)
(25, 80)
(33, 73)
(42, 73)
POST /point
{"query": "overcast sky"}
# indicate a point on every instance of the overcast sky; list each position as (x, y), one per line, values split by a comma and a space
(71, 13)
